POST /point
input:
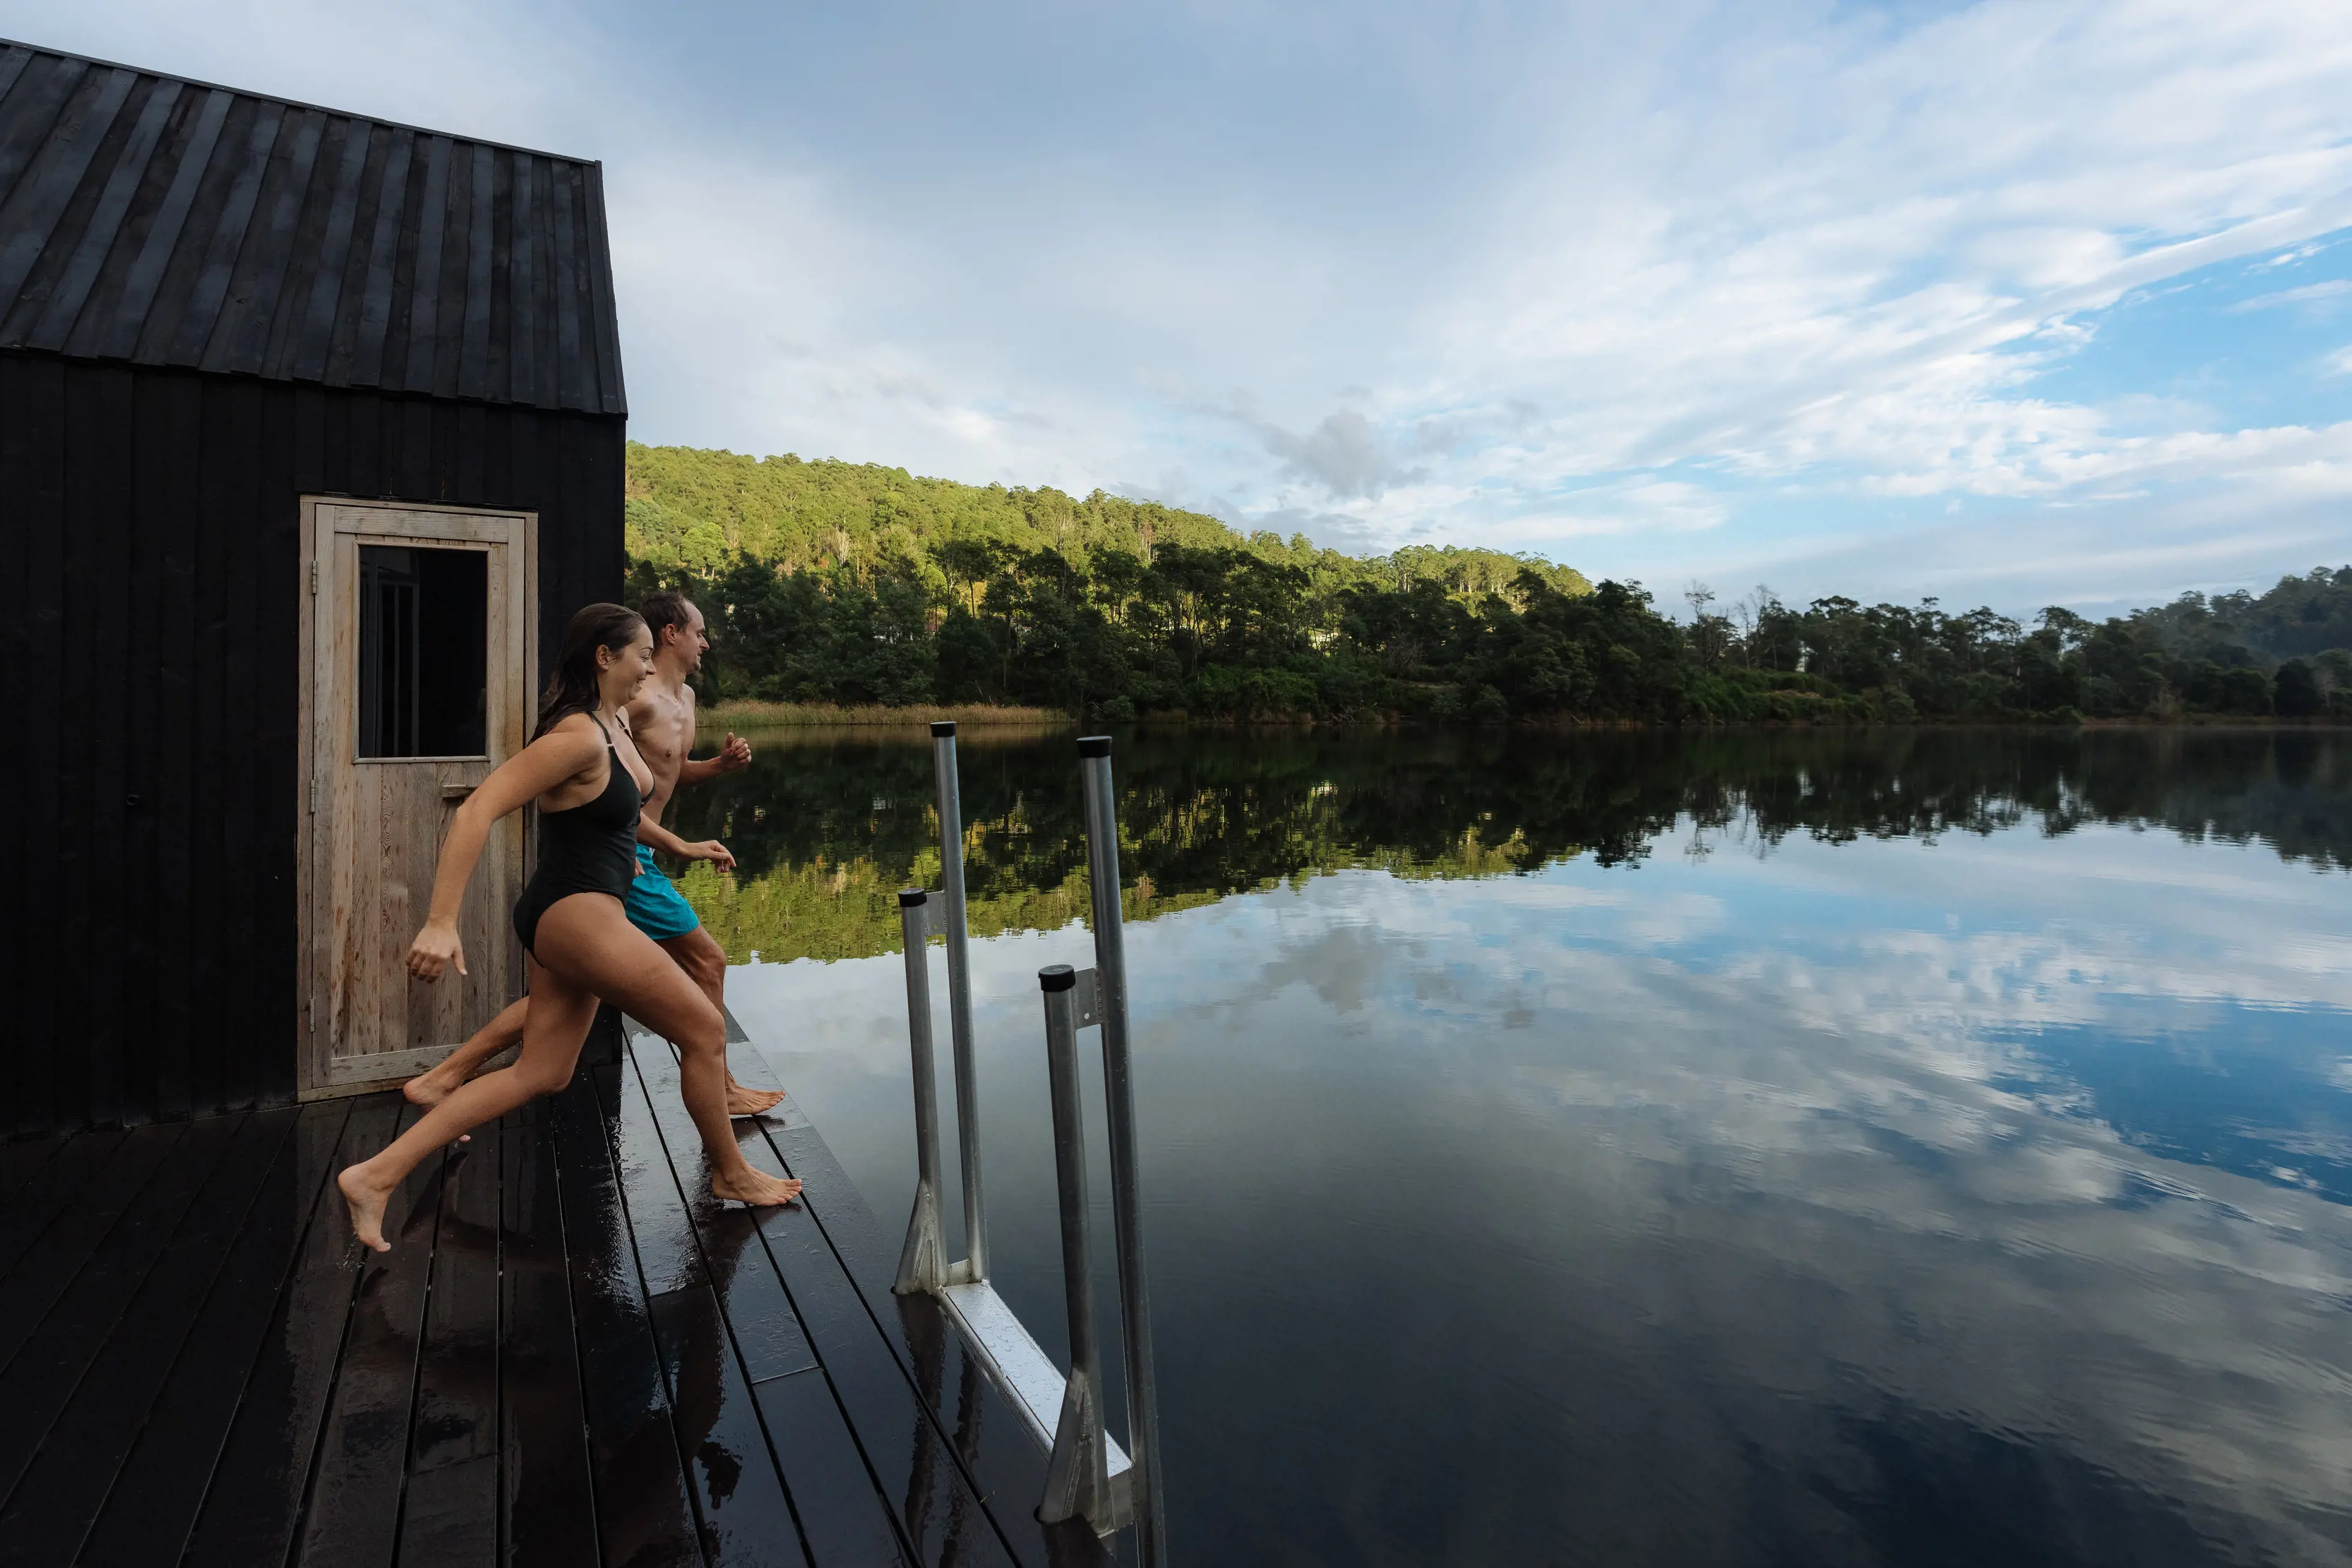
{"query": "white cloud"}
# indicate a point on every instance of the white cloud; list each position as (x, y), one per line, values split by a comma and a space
(2309, 294)
(1641, 283)
(1343, 454)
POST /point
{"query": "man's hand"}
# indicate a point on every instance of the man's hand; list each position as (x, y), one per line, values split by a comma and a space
(710, 849)
(735, 755)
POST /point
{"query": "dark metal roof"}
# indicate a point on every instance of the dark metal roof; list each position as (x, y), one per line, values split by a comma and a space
(166, 222)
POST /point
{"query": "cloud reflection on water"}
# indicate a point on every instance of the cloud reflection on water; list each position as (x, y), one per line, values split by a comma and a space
(1877, 1202)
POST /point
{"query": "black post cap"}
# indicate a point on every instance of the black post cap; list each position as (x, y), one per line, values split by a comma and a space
(911, 897)
(1056, 977)
(1094, 746)
(942, 729)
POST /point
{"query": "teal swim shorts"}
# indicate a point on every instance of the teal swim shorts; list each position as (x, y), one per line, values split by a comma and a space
(654, 904)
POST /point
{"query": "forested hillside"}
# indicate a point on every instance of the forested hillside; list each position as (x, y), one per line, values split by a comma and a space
(700, 511)
(838, 583)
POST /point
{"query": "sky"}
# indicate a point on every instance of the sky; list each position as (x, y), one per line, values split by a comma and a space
(2010, 303)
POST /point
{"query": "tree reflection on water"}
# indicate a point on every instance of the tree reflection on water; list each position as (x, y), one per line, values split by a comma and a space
(827, 825)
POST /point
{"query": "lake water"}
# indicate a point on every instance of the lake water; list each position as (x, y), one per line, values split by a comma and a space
(1888, 1147)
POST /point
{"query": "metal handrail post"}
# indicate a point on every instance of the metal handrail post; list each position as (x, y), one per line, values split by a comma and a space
(1078, 1477)
(920, 1265)
(957, 928)
(1119, 1105)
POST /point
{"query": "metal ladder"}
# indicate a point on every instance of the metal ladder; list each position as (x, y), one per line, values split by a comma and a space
(1089, 1475)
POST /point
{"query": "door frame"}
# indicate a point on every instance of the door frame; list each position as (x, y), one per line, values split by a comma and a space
(314, 1050)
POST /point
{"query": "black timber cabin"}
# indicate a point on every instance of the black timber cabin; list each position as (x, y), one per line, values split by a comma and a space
(310, 442)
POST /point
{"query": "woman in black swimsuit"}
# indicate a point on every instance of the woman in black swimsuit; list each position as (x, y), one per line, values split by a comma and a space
(585, 771)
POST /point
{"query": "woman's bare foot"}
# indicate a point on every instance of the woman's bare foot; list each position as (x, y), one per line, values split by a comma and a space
(743, 1102)
(366, 1201)
(751, 1185)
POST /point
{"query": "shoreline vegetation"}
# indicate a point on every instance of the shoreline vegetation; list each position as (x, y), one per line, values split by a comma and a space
(853, 594)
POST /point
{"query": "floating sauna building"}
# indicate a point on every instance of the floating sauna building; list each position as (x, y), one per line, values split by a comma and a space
(310, 442)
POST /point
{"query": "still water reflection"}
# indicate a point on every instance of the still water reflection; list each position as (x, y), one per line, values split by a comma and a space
(1903, 1148)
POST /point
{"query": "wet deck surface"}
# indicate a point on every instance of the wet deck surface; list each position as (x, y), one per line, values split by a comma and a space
(572, 1355)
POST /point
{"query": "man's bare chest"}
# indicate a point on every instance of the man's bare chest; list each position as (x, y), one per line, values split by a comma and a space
(666, 733)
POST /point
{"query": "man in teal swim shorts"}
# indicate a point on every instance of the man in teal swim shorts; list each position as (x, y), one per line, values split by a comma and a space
(661, 720)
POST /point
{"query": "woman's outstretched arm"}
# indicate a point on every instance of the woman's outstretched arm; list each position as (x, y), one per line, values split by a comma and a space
(513, 784)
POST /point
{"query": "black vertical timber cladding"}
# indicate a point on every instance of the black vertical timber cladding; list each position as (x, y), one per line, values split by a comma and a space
(152, 524)
(32, 418)
(221, 503)
(154, 1052)
(168, 778)
(16, 444)
(91, 789)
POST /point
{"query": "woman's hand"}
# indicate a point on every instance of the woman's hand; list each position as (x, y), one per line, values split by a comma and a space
(710, 849)
(435, 948)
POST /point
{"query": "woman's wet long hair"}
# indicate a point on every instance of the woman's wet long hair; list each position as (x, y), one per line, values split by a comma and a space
(572, 687)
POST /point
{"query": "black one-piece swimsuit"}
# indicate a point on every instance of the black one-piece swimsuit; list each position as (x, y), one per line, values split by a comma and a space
(589, 848)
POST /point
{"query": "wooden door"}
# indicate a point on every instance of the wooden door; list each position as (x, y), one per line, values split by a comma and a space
(420, 654)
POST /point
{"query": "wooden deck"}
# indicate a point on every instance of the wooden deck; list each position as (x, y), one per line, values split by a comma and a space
(570, 1356)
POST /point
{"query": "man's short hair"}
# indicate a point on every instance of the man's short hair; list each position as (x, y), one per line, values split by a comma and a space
(668, 608)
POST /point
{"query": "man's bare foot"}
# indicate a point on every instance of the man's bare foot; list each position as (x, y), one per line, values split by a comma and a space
(743, 1102)
(367, 1202)
(429, 1088)
(751, 1185)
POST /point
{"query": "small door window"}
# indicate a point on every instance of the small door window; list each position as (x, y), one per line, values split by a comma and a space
(424, 650)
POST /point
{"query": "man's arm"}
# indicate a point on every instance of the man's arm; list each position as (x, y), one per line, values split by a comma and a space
(652, 833)
(733, 757)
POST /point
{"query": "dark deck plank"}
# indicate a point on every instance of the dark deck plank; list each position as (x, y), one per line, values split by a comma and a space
(896, 1434)
(21, 1161)
(739, 1487)
(667, 1252)
(45, 1359)
(723, 1236)
(118, 1361)
(995, 1457)
(767, 1329)
(55, 1183)
(79, 1227)
(572, 1355)
(844, 1519)
(549, 1502)
(253, 1501)
(351, 1517)
(933, 1504)
(987, 1434)
(643, 1513)
(153, 1505)
(746, 1517)
(450, 1513)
